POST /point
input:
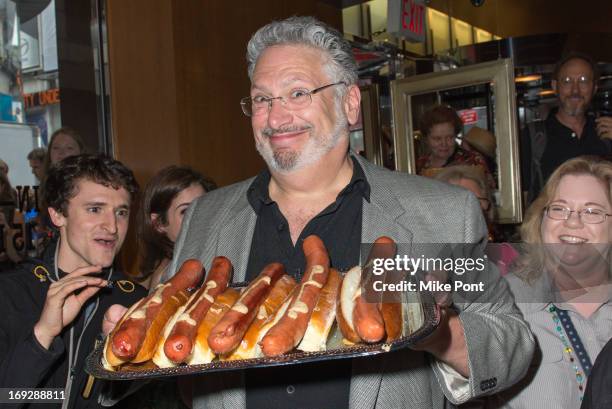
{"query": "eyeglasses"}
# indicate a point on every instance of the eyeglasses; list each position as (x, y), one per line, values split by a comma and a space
(588, 215)
(298, 98)
(581, 80)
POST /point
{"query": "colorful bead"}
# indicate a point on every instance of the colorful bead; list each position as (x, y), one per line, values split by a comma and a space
(567, 349)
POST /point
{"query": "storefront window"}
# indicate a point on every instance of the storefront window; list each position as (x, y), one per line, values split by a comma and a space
(29, 114)
(29, 86)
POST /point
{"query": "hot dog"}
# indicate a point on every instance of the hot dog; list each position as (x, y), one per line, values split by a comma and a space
(109, 360)
(367, 317)
(249, 347)
(323, 316)
(136, 337)
(201, 353)
(392, 317)
(227, 334)
(368, 320)
(287, 333)
(179, 343)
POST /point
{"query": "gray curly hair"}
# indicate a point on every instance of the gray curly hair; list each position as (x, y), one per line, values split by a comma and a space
(310, 32)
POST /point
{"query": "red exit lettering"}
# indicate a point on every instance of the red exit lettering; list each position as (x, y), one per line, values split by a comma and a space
(412, 16)
(469, 116)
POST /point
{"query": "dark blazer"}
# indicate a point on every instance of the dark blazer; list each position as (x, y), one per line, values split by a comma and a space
(598, 394)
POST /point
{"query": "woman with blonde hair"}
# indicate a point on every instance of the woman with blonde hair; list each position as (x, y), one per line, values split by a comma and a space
(562, 284)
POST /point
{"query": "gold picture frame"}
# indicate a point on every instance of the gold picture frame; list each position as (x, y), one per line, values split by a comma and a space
(372, 137)
(499, 75)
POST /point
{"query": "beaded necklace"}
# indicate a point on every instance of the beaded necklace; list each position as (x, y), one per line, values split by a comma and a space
(579, 361)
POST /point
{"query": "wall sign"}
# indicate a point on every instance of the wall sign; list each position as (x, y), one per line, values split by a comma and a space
(42, 98)
(408, 19)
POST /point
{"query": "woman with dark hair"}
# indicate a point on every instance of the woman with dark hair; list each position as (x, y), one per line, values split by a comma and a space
(7, 193)
(165, 200)
(64, 142)
(562, 284)
(440, 126)
(8, 204)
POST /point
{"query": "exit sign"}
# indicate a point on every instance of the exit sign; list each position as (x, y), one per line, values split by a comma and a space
(468, 116)
(407, 18)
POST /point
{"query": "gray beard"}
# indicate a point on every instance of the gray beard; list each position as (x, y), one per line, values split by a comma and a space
(286, 161)
(572, 110)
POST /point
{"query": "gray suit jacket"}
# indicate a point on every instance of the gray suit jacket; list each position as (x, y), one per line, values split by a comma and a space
(409, 209)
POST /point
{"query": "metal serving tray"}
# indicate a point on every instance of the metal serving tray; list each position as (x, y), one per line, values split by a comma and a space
(421, 315)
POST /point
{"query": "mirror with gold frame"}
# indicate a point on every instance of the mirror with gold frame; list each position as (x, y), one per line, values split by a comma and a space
(365, 136)
(413, 95)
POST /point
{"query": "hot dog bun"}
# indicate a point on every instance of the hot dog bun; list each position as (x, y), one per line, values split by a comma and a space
(229, 331)
(249, 347)
(154, 333)
(202, 354)
(178, 343)
(137, 335)
(323, 316)
(159, 358)
(109, 360)
(288, 332)
(346, 304)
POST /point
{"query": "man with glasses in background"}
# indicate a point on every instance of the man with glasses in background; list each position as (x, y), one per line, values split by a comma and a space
(571, 129)
(304, 96)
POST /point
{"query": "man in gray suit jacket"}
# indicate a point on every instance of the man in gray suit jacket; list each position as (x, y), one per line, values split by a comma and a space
(303, 98)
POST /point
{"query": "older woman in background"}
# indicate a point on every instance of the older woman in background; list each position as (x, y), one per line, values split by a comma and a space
(440, 126)
(562, 284)
(473, 179)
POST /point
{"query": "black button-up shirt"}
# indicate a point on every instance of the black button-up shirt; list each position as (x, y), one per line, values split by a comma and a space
(315, 385)
(563, 144)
